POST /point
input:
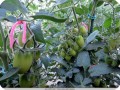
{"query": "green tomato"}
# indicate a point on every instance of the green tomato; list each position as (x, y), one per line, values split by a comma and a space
(26, 80)
(75, 30)
(67, 57)
(70, 42)
(62, 53)
(96, 82)
(75, 46)
(83, 30)
(72, 52)
(80, 41)
(22, 61)
(114, 63)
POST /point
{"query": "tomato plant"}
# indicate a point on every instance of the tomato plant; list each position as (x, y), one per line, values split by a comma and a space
(59, 43)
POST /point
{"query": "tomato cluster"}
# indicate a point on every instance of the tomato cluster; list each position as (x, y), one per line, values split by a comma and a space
(73, 43)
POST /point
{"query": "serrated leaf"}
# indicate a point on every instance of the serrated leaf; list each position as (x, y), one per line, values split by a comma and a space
(36, 29)
(59, 60)
(48, 16)
(99, 69)
(86, 81)
(9, 74)
(107, 22)
(94, 46)
(92, 36)
(83, 59)
(13, 5)
(78, 78)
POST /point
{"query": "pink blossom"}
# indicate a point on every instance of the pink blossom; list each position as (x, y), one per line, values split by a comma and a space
(11, 35)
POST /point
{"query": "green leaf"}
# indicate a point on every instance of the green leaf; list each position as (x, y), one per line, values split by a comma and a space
(100, 54)
(60, 71)
(58, 2)
(11, 19)
(13, 5)
(92, 36)
(78, 78)
(87, 81)
(2, 13)
(9, 74)
(59, 60)
(83, 59)
(48, 16)
(94, 46)
(69, 74)
(99, 69)
(36, 29)
(107, 22)
(45, 60)
(79, 11)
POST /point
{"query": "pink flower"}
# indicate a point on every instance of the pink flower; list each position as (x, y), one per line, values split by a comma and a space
(11, 35)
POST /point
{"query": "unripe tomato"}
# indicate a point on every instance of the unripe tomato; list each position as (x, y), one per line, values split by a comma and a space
(114, 63)
(96, 82)
(75, 30)
(72, 52)
(83, 30)
(75, 46)
(80, 41)
(108, 61)
(26, 80)
(70, 42)
(67, 57)
(29, 44)
(62, 53)
(22, 61)
(65, 45)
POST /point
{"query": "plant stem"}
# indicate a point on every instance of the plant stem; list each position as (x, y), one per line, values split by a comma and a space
(76, 18)
(92, 14)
